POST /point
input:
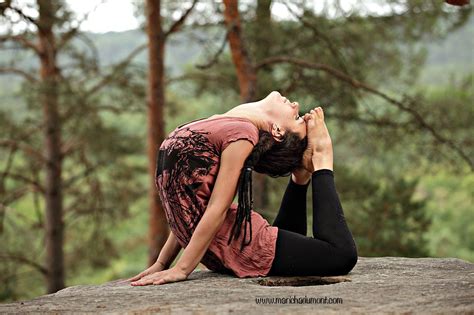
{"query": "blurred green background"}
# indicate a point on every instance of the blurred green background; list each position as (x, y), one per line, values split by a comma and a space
(404, 192)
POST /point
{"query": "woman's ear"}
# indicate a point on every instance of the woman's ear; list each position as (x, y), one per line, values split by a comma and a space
(277, 133)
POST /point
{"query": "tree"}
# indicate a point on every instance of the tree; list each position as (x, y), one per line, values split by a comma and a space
(157, 36)
(65, 105)
(245, 72)
(46, 50)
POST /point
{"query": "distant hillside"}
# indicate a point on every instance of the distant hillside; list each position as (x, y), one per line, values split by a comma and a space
(451, 55)
(114, 46)
(111, 48)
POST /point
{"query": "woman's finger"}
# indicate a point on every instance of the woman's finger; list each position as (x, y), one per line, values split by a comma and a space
(149, 276)
(160, 281)
(148, 279)
(143, 281)
(139, 276)
(123, 280)
(164, 279)
(152, 280)
(134, 278)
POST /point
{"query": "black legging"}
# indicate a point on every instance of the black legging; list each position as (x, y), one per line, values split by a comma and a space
(332, 250)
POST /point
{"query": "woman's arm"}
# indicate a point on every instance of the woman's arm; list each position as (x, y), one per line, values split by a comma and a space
(232, 161)
(169, 251)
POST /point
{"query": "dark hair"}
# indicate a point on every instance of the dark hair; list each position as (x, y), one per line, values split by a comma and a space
(269, 157)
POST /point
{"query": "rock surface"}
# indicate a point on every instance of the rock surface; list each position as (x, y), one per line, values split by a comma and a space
(381, 285)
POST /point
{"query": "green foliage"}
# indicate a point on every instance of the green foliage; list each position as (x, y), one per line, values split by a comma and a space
(403, 193)
(450, 200)
(101, 167)
(385, 219)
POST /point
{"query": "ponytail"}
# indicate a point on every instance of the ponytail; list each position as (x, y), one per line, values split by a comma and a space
(269, 157)
(244, 207)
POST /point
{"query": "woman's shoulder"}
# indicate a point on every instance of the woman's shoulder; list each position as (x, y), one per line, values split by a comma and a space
(217, 123)
(235, 128)
(219, 120)
(221, 130)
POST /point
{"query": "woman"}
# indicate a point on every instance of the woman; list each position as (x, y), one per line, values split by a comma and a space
(202, 164)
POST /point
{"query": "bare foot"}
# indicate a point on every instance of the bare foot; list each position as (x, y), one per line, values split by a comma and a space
(319, 140)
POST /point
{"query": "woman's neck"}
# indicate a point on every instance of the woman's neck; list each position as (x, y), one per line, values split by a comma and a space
(252, 111)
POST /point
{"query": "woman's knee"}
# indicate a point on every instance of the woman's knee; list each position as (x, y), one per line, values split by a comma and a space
(347, 259)
(351, 260)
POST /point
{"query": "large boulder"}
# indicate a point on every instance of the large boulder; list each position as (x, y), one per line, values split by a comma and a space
(383, 284)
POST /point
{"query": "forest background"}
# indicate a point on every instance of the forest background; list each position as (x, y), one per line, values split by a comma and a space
(76, 130)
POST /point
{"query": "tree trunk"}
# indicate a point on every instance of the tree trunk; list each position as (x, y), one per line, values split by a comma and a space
(264, 29)
(158, 227)
(245, 72)
(54, 225)
(264, 78)
(247, 78)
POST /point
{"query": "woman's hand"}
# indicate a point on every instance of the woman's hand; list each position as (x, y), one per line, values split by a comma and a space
(161, 277)
(308, 153)
(302, 175)
(156, 267)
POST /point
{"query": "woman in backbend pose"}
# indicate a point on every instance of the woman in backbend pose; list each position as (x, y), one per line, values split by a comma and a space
(203, 164)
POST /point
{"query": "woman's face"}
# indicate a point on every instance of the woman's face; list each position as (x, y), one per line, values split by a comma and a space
(286, 113)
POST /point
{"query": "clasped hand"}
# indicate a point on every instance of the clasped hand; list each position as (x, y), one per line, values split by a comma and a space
(302, 175)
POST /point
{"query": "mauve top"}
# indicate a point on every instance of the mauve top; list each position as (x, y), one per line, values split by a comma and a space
(187, 167)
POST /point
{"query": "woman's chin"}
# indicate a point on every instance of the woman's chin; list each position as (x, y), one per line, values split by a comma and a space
(278, 94)
(276, 97)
